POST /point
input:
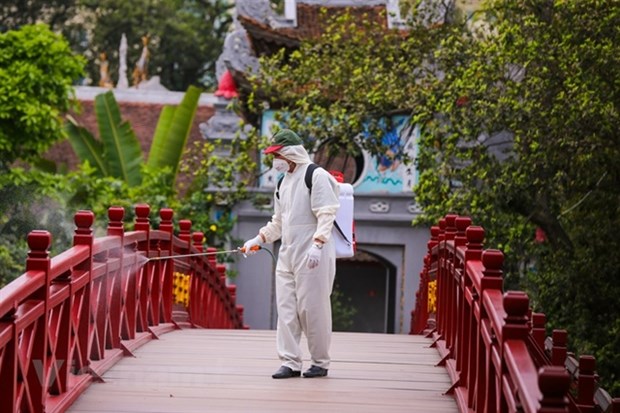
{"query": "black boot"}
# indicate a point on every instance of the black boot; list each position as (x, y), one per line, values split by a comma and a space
(285, 373)
(315, 371)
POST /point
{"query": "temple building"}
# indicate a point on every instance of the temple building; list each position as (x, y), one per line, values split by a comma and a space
(381, 279)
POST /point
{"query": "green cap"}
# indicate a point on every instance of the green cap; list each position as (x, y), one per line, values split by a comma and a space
(282, 138)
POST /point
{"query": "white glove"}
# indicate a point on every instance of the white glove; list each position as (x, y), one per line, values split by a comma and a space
(249, 247)
(314, 256)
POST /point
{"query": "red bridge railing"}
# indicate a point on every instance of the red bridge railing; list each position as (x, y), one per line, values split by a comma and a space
(491, 343)
(69, 318)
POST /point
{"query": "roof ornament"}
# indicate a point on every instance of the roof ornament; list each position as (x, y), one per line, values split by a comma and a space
(226, 88)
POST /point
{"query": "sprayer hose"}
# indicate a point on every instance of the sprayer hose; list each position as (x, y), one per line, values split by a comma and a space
(273, 257)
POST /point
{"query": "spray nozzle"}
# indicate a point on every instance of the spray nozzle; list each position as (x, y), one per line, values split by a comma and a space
(254, 248)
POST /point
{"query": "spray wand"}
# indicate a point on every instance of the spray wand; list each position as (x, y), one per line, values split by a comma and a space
(240, 250)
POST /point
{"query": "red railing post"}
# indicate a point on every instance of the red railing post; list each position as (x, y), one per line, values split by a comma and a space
(141, 275)
(149, 281)
(137, 297)
(8, 363)
(166, 270)
(493, 261)
(586, 384)
(421, 313)
(240, 311)
(429, 262)
(442, 292)
(475, 357)
(475, 239)
(222, 307)
(37, 367)
(516, 305)
(554, 382)
(84, 236)
(232, 309)
(113, 285)
(185, 229)
(451, 286)
(558, 349)
(142, 222)
(115, 221)
(201, 293)
(463, 308)
(165, 215)
(538, 329)
(197, 240)
(488, 386)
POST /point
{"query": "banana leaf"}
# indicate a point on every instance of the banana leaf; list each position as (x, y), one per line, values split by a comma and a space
(173, 128)
(122, 150)
(156, 154)
(85, 146)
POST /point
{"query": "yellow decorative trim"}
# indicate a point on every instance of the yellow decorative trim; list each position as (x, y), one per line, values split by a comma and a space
(180, 288)
(432, 297)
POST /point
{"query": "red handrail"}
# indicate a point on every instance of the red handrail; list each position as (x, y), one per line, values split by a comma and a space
(69, 318)
(491, 343)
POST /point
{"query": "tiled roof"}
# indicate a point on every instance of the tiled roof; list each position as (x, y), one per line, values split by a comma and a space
(311, 23)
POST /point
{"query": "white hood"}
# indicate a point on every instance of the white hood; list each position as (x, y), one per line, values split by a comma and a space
(295, 153)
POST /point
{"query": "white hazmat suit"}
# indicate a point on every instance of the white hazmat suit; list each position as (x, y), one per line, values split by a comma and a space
(303, 294)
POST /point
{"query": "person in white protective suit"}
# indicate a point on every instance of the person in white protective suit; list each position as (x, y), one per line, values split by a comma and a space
(306, 264)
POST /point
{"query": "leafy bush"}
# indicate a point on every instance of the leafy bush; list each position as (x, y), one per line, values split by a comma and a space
(37, 71)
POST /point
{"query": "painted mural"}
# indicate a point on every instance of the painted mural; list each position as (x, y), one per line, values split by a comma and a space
(388, 173)
(385, 173)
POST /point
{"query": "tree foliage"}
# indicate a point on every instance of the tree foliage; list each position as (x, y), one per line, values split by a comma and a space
(522, 127)
(185, 36)
(519, 111)
(343, 83)
(54, 13)
(222, 173)
(37, 70)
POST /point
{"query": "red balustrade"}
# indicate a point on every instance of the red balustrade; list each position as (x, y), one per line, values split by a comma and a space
(492, 344)
(69, 318)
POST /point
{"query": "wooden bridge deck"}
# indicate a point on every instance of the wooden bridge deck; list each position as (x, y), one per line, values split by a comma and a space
(201, 370)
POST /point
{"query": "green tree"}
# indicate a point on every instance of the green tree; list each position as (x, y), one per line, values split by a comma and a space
(54, 13)
(185, 37)
(221, 176)
(37, 70)
(540, 81)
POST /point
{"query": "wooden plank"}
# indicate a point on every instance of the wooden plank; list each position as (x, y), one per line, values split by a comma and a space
(198, 370)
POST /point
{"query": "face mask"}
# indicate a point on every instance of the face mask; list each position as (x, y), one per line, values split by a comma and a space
(280, 165)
